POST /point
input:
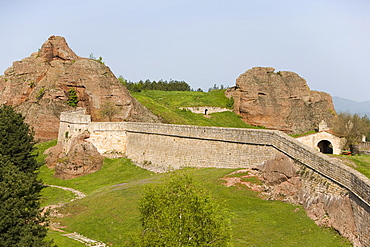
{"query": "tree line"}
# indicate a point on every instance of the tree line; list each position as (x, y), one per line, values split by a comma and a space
(162, 85)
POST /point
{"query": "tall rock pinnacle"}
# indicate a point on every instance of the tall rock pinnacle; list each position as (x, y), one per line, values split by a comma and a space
(55, 79)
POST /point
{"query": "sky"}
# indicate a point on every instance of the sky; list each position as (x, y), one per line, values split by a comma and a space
(203, 42)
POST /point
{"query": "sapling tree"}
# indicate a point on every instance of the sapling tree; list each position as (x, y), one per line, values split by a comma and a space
(180, 212)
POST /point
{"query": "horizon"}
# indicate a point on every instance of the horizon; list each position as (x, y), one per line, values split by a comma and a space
(203, 42)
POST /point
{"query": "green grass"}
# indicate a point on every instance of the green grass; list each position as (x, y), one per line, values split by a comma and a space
(114, 171)
(166, 105)
(362, 163)
(173, 99)
(52, 196)
(110, 211)
(62, 241)
(40, 149)
(304, 134)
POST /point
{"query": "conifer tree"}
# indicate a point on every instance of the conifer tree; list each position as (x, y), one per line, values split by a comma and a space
(21, 223)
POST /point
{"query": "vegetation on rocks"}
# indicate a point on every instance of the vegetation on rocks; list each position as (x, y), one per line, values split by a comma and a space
(72, 97)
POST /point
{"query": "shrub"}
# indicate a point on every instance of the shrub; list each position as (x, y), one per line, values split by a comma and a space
(72, 97)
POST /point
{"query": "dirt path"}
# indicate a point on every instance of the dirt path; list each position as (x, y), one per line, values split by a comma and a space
(54, 212)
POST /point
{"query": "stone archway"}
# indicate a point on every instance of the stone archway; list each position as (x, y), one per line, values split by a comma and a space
(325, 147)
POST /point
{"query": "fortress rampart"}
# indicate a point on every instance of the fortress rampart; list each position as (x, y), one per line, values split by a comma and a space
(165, 146)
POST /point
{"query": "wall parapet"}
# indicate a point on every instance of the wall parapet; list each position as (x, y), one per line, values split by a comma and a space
(336, 171)
(76, 116)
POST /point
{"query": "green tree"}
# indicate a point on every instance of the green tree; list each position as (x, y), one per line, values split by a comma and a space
(181, 213)
(21, 223)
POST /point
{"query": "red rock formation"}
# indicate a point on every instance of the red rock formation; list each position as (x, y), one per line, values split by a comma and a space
(280, 100)
(81, 159)
(325, 202)
(39, 87)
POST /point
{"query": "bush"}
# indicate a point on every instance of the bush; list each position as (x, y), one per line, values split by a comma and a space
(72, 97)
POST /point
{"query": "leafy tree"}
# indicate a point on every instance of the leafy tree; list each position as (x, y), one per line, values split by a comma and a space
(181, 213)
(108, 110)
(351, 127)
(21, 223)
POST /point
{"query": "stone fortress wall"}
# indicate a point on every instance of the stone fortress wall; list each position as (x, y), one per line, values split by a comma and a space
(165, 146)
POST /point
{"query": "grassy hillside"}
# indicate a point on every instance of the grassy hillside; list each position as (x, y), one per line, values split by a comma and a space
(166, 105)
(361, 163)
(110, 211)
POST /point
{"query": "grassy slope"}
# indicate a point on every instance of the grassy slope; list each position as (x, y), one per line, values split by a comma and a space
(360, 163)
(109, 213)
(166, 105)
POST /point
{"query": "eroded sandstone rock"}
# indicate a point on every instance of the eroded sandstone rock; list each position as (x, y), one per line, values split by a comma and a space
(280, 100)
(81, 159)
(327, 203)
(40, 86)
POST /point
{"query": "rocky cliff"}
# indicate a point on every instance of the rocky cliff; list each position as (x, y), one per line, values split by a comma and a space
(55, 79)
(280, 100)
(327, 203)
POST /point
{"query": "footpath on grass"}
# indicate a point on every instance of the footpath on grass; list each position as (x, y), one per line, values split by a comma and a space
(75, 236)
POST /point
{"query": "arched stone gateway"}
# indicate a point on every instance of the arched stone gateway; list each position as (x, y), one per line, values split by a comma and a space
(325, 147)
(324, 142)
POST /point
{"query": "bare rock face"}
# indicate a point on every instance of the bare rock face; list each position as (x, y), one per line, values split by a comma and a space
(81, 159)
(325, 202)
(52, 155)
(280, 100)
(40, 87)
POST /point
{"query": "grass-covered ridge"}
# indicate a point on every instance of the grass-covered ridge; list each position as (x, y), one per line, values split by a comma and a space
(166, 104)
(110, 212)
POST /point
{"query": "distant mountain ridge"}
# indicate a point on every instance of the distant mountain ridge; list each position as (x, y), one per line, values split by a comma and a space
(351, 106)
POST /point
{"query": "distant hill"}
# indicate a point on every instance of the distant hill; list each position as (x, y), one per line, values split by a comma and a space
(351, 106)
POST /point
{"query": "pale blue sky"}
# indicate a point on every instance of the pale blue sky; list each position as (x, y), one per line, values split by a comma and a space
(203, 42)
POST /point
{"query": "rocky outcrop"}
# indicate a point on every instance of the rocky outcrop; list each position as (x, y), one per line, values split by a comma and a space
(280, 100)
(324, 201)
(55, 79)
(81, 159)
(52, 155)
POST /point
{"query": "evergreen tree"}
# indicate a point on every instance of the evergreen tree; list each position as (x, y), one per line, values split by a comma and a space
(21, 223)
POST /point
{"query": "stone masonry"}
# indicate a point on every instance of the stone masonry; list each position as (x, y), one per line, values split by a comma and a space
(162, 147)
